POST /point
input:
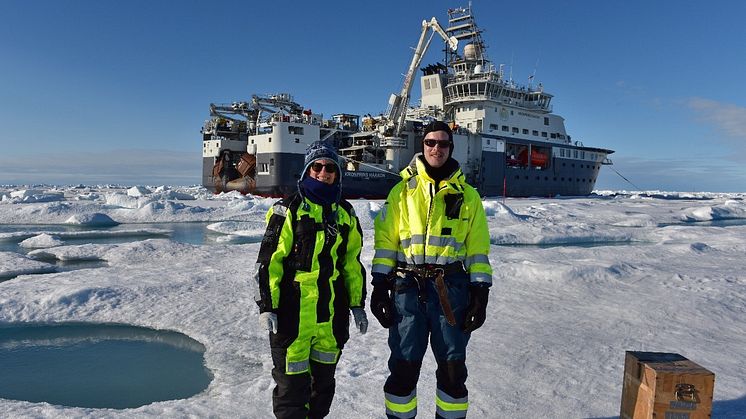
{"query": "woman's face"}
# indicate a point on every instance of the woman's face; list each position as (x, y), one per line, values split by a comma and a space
(323, 170)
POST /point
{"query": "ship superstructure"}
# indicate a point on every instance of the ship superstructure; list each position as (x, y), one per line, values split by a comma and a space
(507, 140)
(258, 146)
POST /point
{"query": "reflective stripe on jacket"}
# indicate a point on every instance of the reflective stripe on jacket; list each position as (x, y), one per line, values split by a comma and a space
(424, 223)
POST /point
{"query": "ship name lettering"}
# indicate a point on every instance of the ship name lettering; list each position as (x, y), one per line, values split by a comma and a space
(365, 174)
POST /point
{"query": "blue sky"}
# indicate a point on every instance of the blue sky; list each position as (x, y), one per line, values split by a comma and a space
(116, 91)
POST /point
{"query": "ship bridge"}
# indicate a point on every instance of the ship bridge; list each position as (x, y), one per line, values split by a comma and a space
(474, 78)
(489, 86)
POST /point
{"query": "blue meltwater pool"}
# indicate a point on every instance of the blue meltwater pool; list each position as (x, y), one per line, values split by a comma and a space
(99, 365)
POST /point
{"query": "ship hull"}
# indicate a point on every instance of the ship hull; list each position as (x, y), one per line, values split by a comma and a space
(496, 177)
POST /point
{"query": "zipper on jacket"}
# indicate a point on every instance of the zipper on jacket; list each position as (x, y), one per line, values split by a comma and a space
(427, 221)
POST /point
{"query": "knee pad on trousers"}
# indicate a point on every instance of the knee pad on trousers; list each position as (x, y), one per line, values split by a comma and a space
(403, 378)
(451, 377)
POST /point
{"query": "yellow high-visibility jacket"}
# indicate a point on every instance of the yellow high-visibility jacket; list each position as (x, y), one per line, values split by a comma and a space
(309, 273)
(424, 223)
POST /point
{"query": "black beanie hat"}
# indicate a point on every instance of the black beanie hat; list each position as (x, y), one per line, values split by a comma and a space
(440, 126)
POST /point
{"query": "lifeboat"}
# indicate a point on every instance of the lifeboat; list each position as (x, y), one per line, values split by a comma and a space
(538, 158)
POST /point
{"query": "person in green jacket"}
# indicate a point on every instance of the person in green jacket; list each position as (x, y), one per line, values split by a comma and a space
(310, 277)
(431, 276)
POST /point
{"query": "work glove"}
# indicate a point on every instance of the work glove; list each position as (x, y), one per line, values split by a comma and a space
(268, 320)
(361, 319)
(476, 311)
(382, 306)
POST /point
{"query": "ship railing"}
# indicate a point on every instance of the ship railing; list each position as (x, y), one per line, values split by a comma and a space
(529, 105)
(396, 142)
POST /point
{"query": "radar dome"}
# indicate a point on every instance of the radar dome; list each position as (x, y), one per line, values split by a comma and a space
(470, 52)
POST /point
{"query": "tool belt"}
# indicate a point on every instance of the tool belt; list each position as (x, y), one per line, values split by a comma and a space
(436, 273)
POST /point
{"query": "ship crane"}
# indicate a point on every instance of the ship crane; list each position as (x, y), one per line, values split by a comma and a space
(275, 103)
(398, 111)
(230, 111)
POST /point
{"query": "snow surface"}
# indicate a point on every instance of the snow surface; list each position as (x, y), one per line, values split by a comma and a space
(578, 281)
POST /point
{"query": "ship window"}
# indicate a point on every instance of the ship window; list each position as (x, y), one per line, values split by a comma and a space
(535, 132)
(582, 154)
(544, 134)
(295, 130)
(562, 152)
(553, 135)
(263, 168)
(515, 130)
(493, 127)
(525, 131)
(576, 154)
(505, 128)
(271, 162)
(427, 84)
(546, 120)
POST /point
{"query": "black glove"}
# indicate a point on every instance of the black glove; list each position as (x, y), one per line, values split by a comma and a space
(381, 305)
(476, 311)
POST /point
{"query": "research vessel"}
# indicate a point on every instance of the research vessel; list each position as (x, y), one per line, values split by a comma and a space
(507, 139)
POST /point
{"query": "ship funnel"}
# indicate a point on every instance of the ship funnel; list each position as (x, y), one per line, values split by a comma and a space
(470, 52)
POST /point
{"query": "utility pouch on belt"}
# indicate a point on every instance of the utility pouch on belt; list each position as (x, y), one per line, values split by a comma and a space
(437, 274)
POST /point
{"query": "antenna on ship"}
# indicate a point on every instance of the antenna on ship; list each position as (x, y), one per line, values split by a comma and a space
(531, 77)
(511, 68)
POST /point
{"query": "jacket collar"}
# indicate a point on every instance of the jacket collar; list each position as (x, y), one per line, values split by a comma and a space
(416, 169)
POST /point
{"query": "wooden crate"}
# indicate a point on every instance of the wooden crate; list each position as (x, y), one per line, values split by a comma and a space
(665, 386)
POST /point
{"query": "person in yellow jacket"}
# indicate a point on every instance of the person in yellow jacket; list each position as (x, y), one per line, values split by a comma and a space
(431, 276)
(309, 278)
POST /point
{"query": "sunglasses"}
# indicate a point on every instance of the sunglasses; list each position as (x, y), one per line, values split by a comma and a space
(439, 143)
(330, 167)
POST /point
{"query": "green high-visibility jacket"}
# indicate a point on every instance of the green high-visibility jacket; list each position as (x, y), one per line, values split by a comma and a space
(424, 223)
(309, 273)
